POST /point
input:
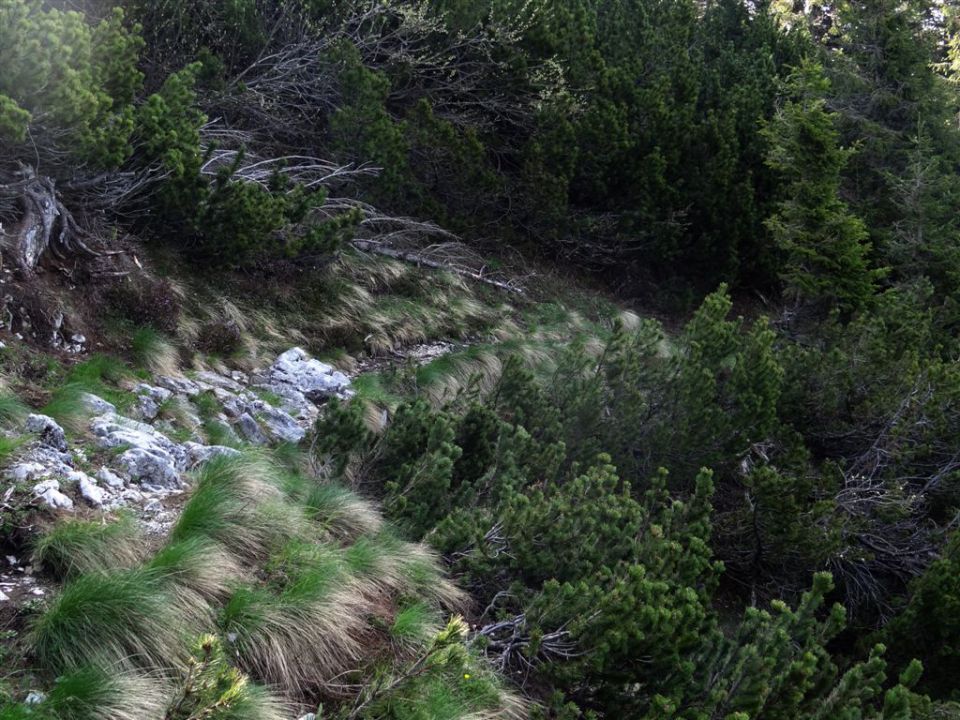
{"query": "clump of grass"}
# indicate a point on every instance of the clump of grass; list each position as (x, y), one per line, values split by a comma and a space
(394, 566)
(415, 625)
(218, 433)
(8, 446)
(154, 352)
(239, 503)
(300, 638)
(125, 617)
(12, 409)
(91, 693)
(198, 565)
(271, 398)
(207, 405)
(441, 379)
(340, 512)
(68, 405)
(97, 371)
(73, 547)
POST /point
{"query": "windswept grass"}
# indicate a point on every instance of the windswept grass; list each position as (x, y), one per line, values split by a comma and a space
(239, 503)
(125, 617)
(301, 638)
(396, 567)
(153, 351)
(91, 693)
(341, 513)
(198, 565)
(99, 376)
(8, 446)
(302, 580)
(12, 410)
(415, 625)
(73, 547)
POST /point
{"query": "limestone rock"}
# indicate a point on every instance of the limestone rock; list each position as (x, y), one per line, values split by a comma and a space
(151, 467)
(89, 490)
(250, 430)
(278, 424)
(50, 432)
(209, 381)
(96, 404)
(110, 478)
(313, 378)
(49, 492)
(179, 385)
(198, 454)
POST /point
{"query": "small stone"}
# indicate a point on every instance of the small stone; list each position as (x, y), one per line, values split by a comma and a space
(213, 380)
(147, 407)
(159, 394)
(110, 478)
(96, 404)
(56, 499)
(89, 490)
(154, 506)
(42, 487)
(153, 466)
(3, 596)
(279, 425)
(51, 434)
(179, 385)
(34, 698)
(250, 430)
(23, 472)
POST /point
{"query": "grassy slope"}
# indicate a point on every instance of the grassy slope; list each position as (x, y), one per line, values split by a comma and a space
(271, 578)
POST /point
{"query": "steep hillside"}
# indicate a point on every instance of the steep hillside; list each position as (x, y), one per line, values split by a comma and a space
(467, 359)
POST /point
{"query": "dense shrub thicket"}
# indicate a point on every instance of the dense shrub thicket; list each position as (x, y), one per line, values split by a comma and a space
(612, 580)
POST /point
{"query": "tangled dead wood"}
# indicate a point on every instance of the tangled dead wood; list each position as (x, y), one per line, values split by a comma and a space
(40, 223)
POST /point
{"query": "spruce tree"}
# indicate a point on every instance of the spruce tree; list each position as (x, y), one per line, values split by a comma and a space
(824, 246)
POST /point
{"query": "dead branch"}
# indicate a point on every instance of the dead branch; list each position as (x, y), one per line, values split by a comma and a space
(428, 257)
(44, 226)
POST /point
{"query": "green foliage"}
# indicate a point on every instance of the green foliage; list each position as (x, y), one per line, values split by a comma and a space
(361, 127)
(75, 547)
(212, 688)
(825, 245)
(64, 76)
(927, 628)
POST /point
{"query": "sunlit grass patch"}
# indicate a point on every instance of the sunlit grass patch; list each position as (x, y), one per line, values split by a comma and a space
(124, 617)
(153, 351)
(73, 547)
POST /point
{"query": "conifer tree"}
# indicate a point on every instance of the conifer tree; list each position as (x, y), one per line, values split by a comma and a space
(824, 246)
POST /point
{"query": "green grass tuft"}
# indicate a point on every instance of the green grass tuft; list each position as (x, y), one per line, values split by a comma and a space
(153, 351)
(90, 693)
(125, 617)
(415, 624)
(239, 503)
(199, 565)
(8, 446)
(74, 547)
(12, 409)
(340, 512)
